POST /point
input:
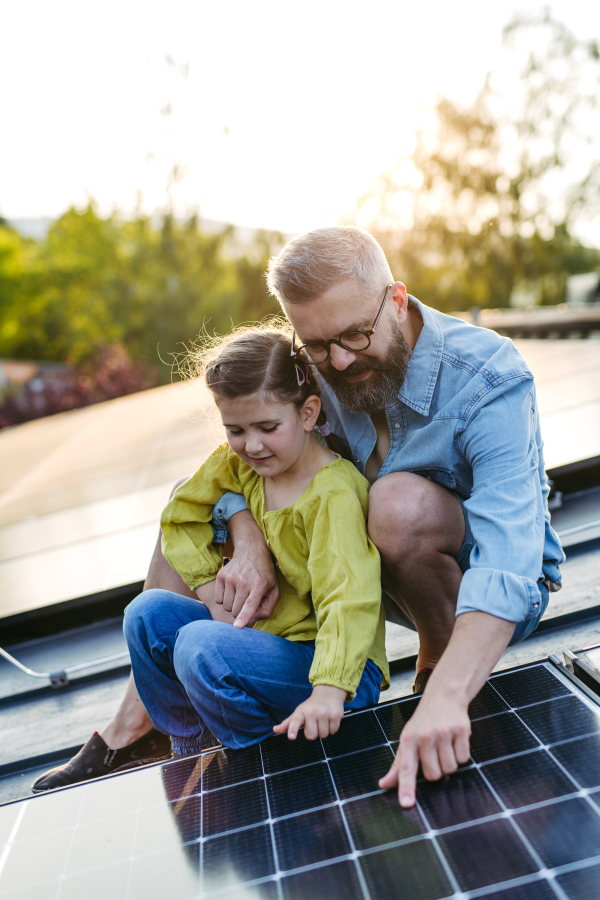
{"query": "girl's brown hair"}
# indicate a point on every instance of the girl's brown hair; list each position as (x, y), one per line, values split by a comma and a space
(258, 360)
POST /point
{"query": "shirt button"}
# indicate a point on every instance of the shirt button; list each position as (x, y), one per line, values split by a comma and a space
(357, 459)
(536, 603)
(397, 425)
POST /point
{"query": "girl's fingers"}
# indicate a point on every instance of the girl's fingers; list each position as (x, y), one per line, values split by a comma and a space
(311, 728)
(295, 723)
(282, 727)
(323, 726)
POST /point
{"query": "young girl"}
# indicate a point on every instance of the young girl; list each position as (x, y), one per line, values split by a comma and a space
(322, 649)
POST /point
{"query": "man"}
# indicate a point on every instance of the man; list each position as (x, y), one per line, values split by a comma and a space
(442, 419)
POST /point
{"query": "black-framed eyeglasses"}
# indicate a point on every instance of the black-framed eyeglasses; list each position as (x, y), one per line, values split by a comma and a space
(355, 341)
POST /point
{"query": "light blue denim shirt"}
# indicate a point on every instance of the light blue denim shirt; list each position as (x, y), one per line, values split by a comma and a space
(467, 418)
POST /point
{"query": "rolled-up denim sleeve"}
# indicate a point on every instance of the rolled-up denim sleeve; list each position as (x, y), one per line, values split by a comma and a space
(507, 506)
(228, 506)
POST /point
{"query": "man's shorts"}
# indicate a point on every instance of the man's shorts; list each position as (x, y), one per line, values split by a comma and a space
(393, 613)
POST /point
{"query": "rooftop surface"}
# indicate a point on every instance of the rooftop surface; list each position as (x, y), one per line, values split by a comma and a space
(81, 492)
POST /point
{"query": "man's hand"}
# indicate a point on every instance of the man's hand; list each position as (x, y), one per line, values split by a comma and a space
(320, 715)
(437, 735)
(247, 586)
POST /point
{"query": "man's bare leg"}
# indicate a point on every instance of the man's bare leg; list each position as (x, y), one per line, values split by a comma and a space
(418, 527)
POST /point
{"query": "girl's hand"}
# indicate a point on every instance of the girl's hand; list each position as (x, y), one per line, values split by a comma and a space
(320, 715)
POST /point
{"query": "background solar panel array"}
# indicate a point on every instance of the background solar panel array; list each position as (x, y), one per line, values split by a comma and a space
(306, 820)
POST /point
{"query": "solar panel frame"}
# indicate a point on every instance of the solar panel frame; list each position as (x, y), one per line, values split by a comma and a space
(239, 823)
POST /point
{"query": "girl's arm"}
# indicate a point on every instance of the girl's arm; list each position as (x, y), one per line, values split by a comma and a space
(187, 535)
(206, 593)
(346, 590)
(345, 571)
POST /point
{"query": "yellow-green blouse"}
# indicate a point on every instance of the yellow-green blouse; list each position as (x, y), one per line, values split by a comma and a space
(328, 571)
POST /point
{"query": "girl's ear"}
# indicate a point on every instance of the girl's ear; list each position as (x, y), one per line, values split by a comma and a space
(310, 412)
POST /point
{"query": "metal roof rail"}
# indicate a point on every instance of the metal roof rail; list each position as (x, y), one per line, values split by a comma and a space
(60, 678)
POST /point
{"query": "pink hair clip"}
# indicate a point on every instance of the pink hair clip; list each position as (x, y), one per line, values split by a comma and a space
(325, 429)
(304, 374)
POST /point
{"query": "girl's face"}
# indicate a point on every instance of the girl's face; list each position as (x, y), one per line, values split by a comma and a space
(268, 435)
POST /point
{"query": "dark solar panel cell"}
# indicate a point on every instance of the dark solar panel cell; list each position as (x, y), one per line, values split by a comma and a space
(486, 854)
(527, 686)
(183, 778)
(337, 882)
(412, 871)
(582, 759)
(304, 788)
(583, 884)
(379, 819)
(244, 855)
(560, 719)
(356, 733)
(562, 832)
(227, 767)
(359, 773)
(393, 718)
(280, 753)
(234, 807)
(498, 736)
(528, 779)
(535, 890)
(187, 815)
(486, 703)
(455, 799)
(310, 838)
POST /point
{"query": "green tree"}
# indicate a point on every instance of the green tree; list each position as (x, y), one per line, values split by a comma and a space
(151, 285)
(475, 214)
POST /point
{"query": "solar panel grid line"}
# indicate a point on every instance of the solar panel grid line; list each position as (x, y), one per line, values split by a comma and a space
(360, 874)
(441, 856)
(360, 859)
(272, 833)
(530, 848)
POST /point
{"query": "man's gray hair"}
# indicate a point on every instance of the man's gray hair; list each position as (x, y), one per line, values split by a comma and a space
(312, 263)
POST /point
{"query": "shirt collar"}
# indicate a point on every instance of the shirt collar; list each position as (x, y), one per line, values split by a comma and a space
(424, 365)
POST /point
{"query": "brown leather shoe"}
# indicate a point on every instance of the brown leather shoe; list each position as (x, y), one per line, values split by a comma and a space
(96, 759)
(421, 679)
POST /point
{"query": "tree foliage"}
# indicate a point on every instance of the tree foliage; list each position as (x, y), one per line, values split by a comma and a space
(149, 285)
(486, 205)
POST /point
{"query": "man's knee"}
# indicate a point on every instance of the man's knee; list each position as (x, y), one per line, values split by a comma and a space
(409, 513)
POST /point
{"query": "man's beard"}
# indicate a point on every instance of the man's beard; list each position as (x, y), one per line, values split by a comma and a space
(383, 385)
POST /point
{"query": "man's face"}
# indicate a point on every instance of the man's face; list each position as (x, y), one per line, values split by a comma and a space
(368, 380)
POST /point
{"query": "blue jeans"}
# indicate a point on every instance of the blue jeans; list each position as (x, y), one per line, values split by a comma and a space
(194, 674)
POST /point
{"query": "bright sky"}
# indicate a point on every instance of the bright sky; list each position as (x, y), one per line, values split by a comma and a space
(288, 113)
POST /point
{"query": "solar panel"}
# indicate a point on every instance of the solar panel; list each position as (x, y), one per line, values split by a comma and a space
(289, 821)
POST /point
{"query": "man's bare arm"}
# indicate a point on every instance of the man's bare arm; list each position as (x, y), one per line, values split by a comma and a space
(437, 735)
(247, 587)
